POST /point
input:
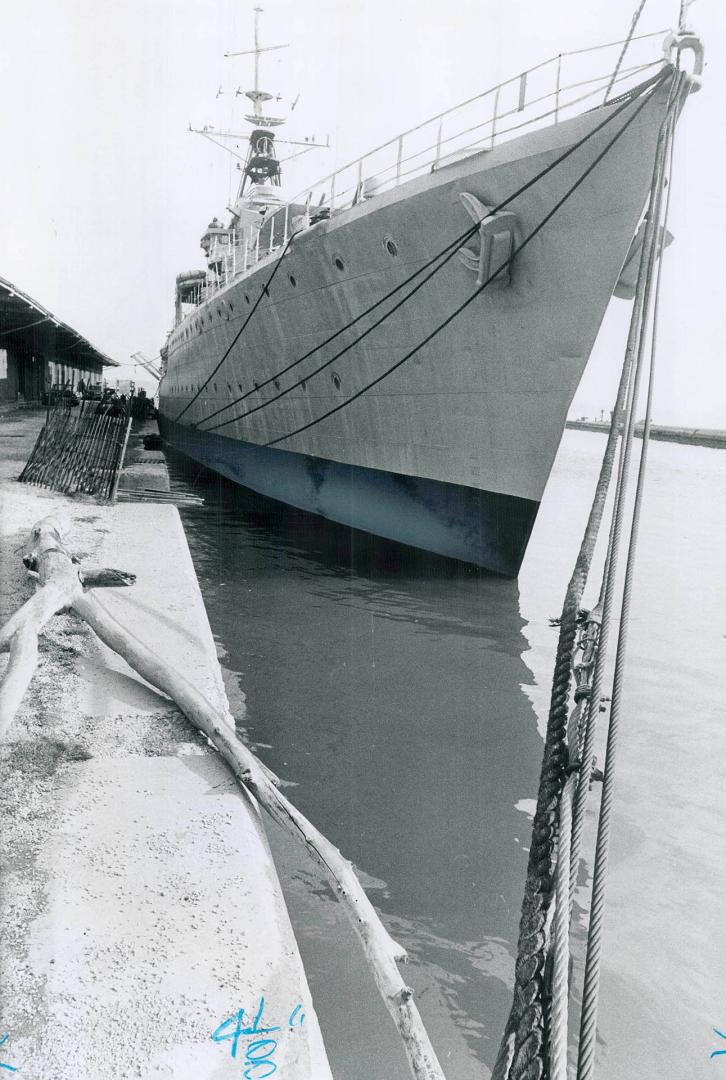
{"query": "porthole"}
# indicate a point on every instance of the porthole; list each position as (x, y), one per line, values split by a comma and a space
(390, 246)
(339, 262)
(293, 280)
(277, 383)
(336, 380)
(303, 385)
(215, 387)
(239, 384)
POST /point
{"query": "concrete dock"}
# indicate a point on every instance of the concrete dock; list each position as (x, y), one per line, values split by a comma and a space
(140, 910)
(713, 437)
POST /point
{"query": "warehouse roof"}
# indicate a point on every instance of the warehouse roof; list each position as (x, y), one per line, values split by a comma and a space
(24, 318)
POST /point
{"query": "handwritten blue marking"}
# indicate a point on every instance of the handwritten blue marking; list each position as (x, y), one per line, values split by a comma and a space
(258, 1054)
(256, 1046)
(10, 1068)
(717, 1053)
(248, 1074)
(218, 1036)
(221, 1034)
(259, 1060)
(255, 1029)
(292, 1022)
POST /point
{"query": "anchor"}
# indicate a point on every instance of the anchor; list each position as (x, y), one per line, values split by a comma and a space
(496, 241)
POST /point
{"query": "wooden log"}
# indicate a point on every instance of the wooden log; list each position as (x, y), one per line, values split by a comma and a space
(380, 949)
(56, 571)
(20, 670)
(106, 578)
(60, 582)
(60, 588)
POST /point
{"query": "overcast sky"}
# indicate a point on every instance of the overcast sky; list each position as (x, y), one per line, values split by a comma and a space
(104, 193)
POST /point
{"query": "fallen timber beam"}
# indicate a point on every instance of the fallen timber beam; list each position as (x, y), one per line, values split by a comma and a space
(63, 586)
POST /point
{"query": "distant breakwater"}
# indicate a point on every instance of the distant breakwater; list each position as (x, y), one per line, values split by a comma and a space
(713, 437)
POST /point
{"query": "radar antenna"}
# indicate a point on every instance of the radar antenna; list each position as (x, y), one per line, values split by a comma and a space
(256, 95)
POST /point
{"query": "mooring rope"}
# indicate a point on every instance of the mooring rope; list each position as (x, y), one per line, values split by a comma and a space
(587, 696)
(524, 1051)
(588, 1026)
(605, 601)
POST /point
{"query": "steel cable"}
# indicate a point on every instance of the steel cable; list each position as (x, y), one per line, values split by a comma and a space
(588, 1027)
(587, 708)
(523, 1047)
(605, 601)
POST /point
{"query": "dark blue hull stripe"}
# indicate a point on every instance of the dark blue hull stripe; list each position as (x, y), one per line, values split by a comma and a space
(486, 528)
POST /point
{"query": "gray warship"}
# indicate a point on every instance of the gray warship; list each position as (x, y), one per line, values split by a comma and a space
(396, 347)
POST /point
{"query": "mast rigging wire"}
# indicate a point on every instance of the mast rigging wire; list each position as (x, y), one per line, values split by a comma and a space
(626, 44)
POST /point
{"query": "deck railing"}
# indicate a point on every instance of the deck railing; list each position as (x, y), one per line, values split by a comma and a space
(542, 96)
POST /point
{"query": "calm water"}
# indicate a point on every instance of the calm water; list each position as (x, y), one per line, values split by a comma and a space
(404, 698)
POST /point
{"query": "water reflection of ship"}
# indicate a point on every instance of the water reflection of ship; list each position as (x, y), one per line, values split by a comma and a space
(389, 686)
(440, 428)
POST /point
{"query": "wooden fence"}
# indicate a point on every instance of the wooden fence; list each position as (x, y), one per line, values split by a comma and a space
(79, 451)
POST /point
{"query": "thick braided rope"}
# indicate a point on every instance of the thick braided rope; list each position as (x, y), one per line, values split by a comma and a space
(623, 411)
(561, 949)
(647, 261)
(522, 1052)
(522, 1046)
(560, 993)
(588, 1028)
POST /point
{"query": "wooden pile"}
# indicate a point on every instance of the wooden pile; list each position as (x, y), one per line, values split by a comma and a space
(81, 451)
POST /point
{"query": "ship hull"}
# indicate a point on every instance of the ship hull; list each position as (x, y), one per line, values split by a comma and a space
(451, 449)
(486, 528)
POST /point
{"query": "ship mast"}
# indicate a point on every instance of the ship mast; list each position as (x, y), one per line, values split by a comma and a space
(261, 165)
